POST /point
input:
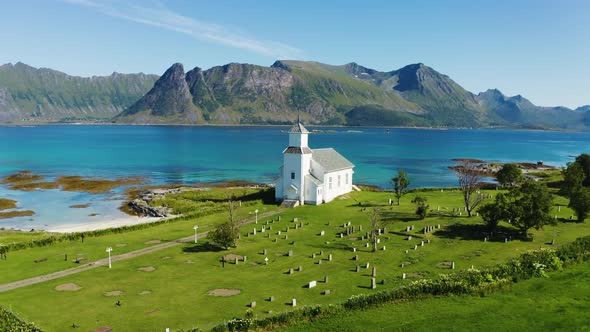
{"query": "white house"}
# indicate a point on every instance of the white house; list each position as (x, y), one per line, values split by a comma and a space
(311, 176)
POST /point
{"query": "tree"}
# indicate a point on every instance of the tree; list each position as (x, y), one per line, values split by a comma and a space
(530, 206)
(584, 161)
(573, 177)
(493, 213)
(226, 234)
(400, 184)
(580, 203)
(469, 181)
(375, 220)
(421, 206)
(509, 175)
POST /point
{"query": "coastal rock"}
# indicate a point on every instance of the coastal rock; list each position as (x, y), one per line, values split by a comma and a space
(142, 209)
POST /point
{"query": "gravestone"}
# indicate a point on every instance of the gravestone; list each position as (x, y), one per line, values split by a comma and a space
(373, 283)
(327, 292)
(358, 268)
(409, 238)
(383, 248)
(341, 235)
(383, 281)
(330, 257)
(236, 261)
(268, 235)
(553, 242)
(325, 279)
(312, 284)
(322, 233)
(271, 299)
(321, 252)
(319, 262)
(353, 249)
(290, 253)
(312, 255)
(428, 241)
(403, 276)
(262, 229)
(367, 265)
(367, 244)
(254, 231)
(360, 228)
(422, 243)
(407, 251)
(374, 274)
(278, 232)
(415, 247)
(452, 265)
(355, 257)
(294, 302)
(300, 268)
(290, 271)
(286, 236)
(245, 258)
(253, 304)
(264, 252)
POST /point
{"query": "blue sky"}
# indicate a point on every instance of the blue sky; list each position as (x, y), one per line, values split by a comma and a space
(537, 48)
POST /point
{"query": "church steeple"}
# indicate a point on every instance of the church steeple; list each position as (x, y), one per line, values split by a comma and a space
(298, 138)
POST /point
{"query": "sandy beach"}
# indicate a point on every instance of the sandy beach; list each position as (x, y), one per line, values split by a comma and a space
(103, 224)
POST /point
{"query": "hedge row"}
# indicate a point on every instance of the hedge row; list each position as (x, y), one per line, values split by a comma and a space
(533, 263)
(10, 322)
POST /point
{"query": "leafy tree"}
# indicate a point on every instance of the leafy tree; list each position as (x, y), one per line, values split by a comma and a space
(493, 213)
(421, 206)
(573, 177)
(509, 175)
(530, 206)
(580, 203)
(400, 184)
(584, 161)
(375, 219)
(469, 181)
(226, 234)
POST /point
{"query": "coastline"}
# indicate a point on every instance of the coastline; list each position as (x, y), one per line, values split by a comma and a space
(102, 224)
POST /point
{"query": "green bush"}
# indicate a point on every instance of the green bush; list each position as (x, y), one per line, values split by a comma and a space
(10, 322)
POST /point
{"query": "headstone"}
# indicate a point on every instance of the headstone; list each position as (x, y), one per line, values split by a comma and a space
(403, 265)
(236, 261)
(452, 265)
(407, 251)
(294, 219)
(505, 240)
(409, 238)
(367, 265)
(294, 302)
(373, 283)
(312, 284)
(300, 268)
(312, 255)
(415, 247)
(245, 258)
(341, 235)
(438, 226)
(290, 253)
(407, 228)
(279, 233)
(428, 241)
(319, 262)
(559, 208)
(403, 276)
(271, 299)
(360, 228)
(290, 271)
(485, 239)
(296, 226)
(553, 242)
(321, 252)
(269, 227)
(325, 279)
(268, 235)
(383, 248)
(356, 257)
(327, 292)
(358, 268)
(353, 249)
(264, 252)
(422, 243)
(286, 236)
(262, 229)
(253, 304)
(424, 230)
(378, 240)
(322, 233)
(367, 244)
(374, 274)
(330, 257)
(383, 282)
(254, 231)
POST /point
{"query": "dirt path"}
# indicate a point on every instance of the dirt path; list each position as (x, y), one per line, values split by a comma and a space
(121, 257)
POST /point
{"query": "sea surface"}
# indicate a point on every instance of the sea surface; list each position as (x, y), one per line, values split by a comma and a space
(192, 155)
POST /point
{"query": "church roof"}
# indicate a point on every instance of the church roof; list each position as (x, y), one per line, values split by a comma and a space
(330, 159)
(313, 179)
(297, 150)
(298, 128)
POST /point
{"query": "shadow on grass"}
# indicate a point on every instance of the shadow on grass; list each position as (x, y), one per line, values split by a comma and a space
(204, 247)
(388, 216)
(475, 232)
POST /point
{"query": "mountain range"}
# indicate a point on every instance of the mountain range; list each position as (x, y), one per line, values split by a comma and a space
(353, 95)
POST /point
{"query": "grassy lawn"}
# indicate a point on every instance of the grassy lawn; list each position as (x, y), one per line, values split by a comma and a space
(21, 264)
(558, 303)
(183, 276)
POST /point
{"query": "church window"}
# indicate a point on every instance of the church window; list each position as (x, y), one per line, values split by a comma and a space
(292, 175)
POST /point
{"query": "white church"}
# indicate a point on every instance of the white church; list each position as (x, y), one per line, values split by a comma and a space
(311, 176)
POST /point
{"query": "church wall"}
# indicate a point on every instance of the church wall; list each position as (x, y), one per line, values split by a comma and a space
(337, 187)
(297, 164)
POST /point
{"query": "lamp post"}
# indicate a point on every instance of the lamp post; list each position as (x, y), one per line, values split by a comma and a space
(195, 228)
(109, 249)
(256, 212)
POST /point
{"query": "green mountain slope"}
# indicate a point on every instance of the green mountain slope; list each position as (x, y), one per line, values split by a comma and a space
(30, 95)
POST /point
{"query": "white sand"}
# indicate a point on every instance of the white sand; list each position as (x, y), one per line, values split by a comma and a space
(103, 224)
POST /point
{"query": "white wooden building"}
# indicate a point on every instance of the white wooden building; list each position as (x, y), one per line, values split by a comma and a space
(311, 176)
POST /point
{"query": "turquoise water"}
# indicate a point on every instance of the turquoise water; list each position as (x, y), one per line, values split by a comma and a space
(189, 155)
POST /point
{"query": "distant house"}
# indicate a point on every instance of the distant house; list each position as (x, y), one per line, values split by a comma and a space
(311, 176)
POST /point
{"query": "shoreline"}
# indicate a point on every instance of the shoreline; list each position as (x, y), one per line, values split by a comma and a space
(102, 224)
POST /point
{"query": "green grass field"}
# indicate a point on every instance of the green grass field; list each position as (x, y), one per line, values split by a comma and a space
(178, 287)
(558, 303)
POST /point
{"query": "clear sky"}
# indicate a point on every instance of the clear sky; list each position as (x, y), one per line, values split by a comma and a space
(537, 48)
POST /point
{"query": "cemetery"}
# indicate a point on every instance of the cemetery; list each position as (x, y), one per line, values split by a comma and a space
(288, 259)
